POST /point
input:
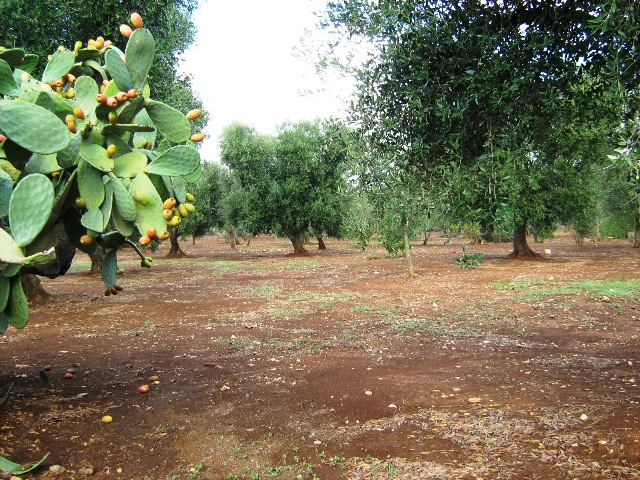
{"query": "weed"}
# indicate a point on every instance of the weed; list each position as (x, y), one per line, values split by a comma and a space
(469, 261)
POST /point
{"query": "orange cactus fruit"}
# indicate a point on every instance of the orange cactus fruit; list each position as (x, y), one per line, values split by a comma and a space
(193, 114)
(197, 137)
(78, 112)
(136, 20)
(125, 30)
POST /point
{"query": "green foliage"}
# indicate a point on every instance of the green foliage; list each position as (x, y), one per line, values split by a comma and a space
(288, 183)
(469, 261)
(48, 166)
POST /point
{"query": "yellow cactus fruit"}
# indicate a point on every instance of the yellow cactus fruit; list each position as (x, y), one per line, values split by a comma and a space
(164, 235)
(190, 197)
(78, 112)
(193, 114)
(197, 137)
(183, 210)
(169, 203)
(190, 207)
(167, 214)
(175, 221)
(111, 150)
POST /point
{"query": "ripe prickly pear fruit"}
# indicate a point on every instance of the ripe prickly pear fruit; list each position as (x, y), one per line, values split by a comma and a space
(86, 239)
(71, 78)
(136, 20)
(78, 112)
(190, 197)
(99, 43)
(144, 240)
(111, 150)
(2, 138)
(183, 210)
(133, 93)
(121, 97)
(175, 221)
(167, 214)
(101, 98)
(72, 126)
(169, 203)
(190, 207)
(152, 232)
(125, 30)
(111, 102)
(164, 235)
(197, 137)
(193, 114)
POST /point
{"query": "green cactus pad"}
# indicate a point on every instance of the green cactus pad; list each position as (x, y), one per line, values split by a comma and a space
(163, 185)
(30, 63)
(179, 189)
(121, 146)
(68, 157)
(118, 69)
(140, 139)
(17, 310)
(86, 92)
(141, 48)
(96, 156)
(12, 56)
(54, 104)
(119, 129)
(129, 164)
(90, 184)
(111, 240)
(122, 225)
(17, 155)
(6, 189)
(11, 270)
(10, 251)
(124, 203)
(45, 164)
(61, 62)
(4, 323)
(41, 259)
(195, 175)
(128, 112)
(87, 54)
(26, 217)
(148, 204)
(174, 125)
(175, 162)
(110, 268)
(33, 127)
(8, 168)
(8, 85)
(5, 288)
(163, 146)
(95, 66)
(107, 205)
(93, 220)
(66, 186)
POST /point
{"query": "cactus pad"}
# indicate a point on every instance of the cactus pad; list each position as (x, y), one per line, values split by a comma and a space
(118, 70)
(110, 268)
(26, 217)
(61, 62)
(148, 204)
(93, 220)
(8, 85)
(32, 127)
(129, 164)
(124, 203)
(17, 310)
(45, 164)
(90, 184)
(96, 156)
(6, 189)
(139, 53)
(174, 125)
(175, 162)
(10, 251)
(86, 92)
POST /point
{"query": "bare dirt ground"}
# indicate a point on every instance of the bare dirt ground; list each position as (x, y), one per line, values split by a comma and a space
(334, 366)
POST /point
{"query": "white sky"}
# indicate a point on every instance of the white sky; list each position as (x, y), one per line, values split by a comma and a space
(243, 67)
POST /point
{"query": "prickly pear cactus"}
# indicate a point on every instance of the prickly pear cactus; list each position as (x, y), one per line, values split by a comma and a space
(78, 153)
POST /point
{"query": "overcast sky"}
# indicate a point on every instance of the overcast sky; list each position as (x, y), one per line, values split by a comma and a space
(243, 66)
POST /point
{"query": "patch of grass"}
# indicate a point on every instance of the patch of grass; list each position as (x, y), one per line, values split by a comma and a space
(266, 290)
(405, 326)
(519, 284)
(380, 310)
(300, 264)
(288, 313)
(613, 288)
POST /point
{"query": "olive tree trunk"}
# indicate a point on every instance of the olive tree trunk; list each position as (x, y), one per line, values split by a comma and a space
(521, 248)
(175, 250)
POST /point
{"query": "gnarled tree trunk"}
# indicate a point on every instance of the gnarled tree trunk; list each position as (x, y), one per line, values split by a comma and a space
(175, 250)
(33, 289)
(407, 251)
(636, 239)
(321, 244)
(520, 246)
(297, 242)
